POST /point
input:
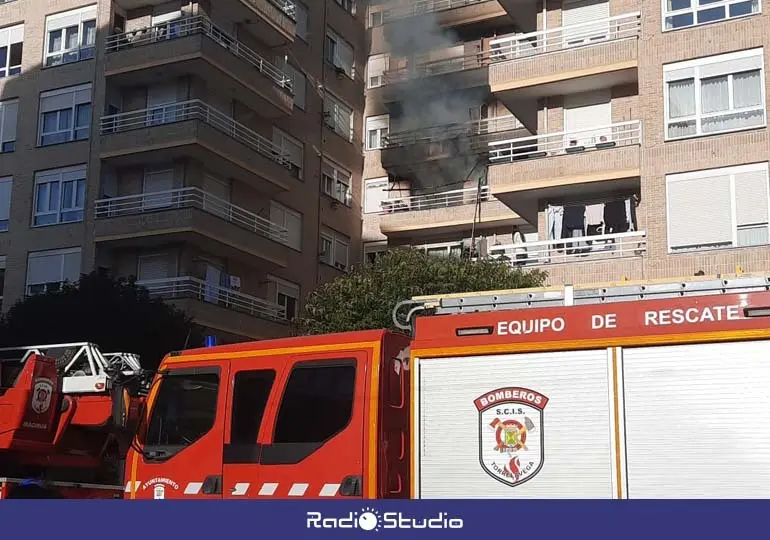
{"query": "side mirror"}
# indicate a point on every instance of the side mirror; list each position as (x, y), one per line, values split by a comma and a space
(121, 400)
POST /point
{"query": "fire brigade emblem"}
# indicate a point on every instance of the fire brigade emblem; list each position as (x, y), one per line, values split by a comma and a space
(41, 395)
(511, 436)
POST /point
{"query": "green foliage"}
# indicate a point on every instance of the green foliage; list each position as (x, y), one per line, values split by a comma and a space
(365, 298)
(115, 314)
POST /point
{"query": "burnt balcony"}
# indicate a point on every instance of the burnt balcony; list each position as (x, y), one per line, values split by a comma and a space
(220, 307)
(448, 13)
(190, 214)
(194, 45)
(195, 130)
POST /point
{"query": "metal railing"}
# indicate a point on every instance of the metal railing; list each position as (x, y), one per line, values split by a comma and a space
(194, 109)
(190, 197)
(565, 37)
(198, 24)
(570, 250)
(412, 8)
(567, 142)
(287, 6)
(457, 197)
(449, 131)
(198, 289)
(439, 66)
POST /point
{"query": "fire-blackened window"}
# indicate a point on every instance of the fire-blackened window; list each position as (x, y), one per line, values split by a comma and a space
(250, 395)
(184, 411)
(317, 403)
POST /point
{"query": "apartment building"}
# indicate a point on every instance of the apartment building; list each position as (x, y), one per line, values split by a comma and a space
(623, 139)
(210, 148)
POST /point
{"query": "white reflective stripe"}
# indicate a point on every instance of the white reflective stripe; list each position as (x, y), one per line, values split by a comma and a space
(268, 489)
(241, 488)
(193, 488)
(329, 490)
(136, 486)
(298, 490)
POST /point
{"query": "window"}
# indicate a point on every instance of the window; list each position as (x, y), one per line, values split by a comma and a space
(294, 149)
(65, 115)
(684, 13)
(716, 94)
(48, 270)
(376, 131)
(301, 16)
(5, 201)
(347, 5)
(373, 250)
(339, 53)
(317, 403)
(718, 208)
(336, 182)
(375, 192)
(287, 295)
(298, 83)
(335, 249)
(338, 117)
(185, 410)
(375, 16)
(9, 113)
(377, 65)
(11, 47)
(70, 36)
(290, 220)
(250, 394)
(59, 196)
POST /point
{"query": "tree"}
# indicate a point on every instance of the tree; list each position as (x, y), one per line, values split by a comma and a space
(365, 298)
(116, 314)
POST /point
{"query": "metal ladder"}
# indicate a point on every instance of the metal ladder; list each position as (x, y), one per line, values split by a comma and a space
(570, 295)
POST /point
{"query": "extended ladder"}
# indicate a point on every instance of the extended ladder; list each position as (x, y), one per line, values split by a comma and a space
(570, 295)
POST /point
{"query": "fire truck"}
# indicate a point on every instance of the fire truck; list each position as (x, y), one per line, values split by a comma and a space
(649, 390)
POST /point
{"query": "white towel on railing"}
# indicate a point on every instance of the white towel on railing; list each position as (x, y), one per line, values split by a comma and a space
(594, 214)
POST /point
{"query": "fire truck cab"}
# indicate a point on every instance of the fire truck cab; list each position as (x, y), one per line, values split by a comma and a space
(318, 416)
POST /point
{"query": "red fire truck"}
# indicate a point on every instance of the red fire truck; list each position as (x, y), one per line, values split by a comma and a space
(625, 391)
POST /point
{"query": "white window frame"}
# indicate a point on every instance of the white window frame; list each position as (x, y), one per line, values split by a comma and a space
(67, 55)
(695, 8)
(333, 108)
(286, 288)
(332, 43)
(725, 171)
(301, 14)
(286, 211)
(380, 135)
(11, 35)
(6, 183)
(329, 257)
(72, 132)
(375, 248)
(349, 6)
(380, 77)
(8, 139)
(337, 186)
(282, 138)
(368, 182)
(374, 10)
(695, 66)
(51, 253)
(76, 174)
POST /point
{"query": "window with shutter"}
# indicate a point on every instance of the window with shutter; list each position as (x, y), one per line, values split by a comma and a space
(585, 21)
(5, 203)
(154, 267)
(48, 270)
(70, 36)
(377, 131)
(375, 192)
(65, 115)
(375, 68)
(291, 221)
(157, 187)
(9, 113)
(11, 48)
(583, 114)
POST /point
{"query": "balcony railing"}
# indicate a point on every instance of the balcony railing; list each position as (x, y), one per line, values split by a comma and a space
(449, 131)
(287, 6)
(194, 110)
(190, 287)
(411, 9)
(566, 142)
(199, 24)
(190, 197)
(457, 197)
(571, 250)
(565, 37)
(440, 66)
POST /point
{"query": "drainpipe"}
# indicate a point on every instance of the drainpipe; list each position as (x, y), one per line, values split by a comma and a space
(545, 100)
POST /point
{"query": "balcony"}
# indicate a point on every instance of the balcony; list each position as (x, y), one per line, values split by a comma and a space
(569, 59)
(448, 13)
(446, 212)
(221, 308)
(193, 215)
(564, 164)
(194, 45)
(195, 130)
(275, 23)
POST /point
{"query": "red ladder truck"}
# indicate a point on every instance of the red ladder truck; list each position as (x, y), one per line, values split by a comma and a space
(648, 390)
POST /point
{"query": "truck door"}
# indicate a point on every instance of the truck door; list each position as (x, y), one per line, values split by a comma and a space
(182, 440)
(311, 443)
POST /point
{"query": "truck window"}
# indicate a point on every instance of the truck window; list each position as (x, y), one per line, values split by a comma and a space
(317, 403)
(184, 410)
(252, 389)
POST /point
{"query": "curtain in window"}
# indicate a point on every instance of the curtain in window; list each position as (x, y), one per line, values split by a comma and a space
(681, 104)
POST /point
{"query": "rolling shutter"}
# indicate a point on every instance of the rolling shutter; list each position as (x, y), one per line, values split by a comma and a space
(585, 21)
(699, 212)
(585, 112)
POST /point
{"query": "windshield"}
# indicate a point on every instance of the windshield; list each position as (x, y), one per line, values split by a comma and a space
(184, 411)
